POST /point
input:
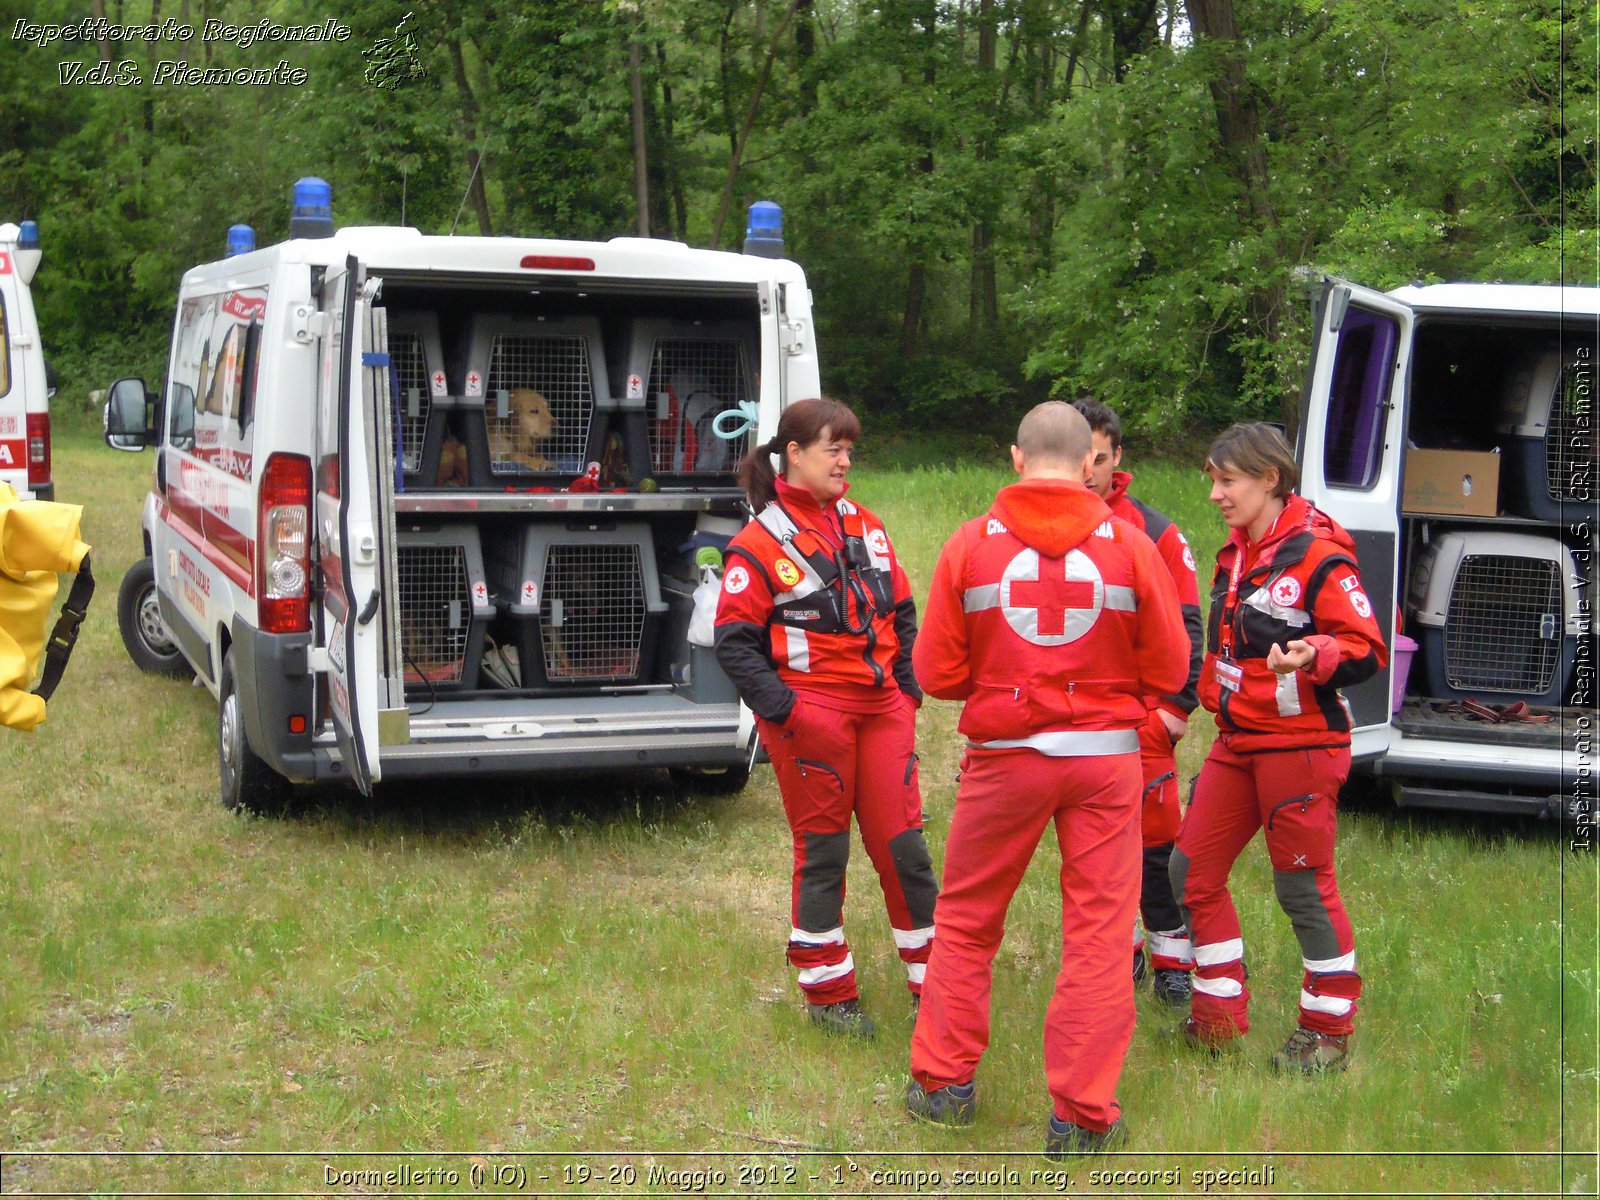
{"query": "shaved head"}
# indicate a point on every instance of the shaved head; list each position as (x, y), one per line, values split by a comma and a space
(1054, 434)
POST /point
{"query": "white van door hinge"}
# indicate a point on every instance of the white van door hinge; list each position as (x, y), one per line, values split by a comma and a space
(792, 336)
(307, 324)
(318, 660)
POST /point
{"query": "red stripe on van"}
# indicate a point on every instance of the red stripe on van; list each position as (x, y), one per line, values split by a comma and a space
(175, 517)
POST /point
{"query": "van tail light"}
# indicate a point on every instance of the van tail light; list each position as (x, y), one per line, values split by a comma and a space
(283, 545)
(38, 449)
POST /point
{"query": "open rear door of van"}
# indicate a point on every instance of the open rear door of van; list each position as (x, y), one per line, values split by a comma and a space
(355, 520)
(1352, 426)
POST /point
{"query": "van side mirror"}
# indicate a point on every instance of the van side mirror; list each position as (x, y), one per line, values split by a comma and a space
(129, 418)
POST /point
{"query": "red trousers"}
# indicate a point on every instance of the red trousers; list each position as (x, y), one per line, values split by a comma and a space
(1293, 796)
(1005, 801)
(831, 763)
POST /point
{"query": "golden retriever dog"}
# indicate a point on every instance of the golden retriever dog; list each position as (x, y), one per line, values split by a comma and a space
(531, 424)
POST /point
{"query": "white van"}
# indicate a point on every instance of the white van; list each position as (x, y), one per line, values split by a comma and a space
(25, 387)
(430, 506)
(1451, 429)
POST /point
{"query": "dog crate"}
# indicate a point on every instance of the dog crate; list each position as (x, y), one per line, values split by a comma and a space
(1548, 434)
(421, 402)
(1494, 613)
(683, 375)
(532, 385)
(444, 604)
(584, 599)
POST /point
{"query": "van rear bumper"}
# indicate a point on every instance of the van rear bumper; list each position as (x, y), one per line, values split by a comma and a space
(675, 733)
(1432, 773)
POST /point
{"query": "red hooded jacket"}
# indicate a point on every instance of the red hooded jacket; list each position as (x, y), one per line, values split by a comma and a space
(1299, 582)
(1050, 614)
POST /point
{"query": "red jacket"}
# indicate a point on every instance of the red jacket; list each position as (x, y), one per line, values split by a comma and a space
(1174, 550)
(785, 623)
(1299, 582)
(1050, 614)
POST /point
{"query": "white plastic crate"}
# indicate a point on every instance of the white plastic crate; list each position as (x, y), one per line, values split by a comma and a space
(685, 374)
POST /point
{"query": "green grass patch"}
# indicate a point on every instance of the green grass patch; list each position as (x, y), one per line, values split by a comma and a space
(591, 974)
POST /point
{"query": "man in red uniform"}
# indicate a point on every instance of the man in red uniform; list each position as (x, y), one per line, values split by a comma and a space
(1171, 955)
(1052, 619)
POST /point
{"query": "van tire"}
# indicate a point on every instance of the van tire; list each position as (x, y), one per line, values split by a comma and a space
(711, 783)
(249, 785)
(139, 618)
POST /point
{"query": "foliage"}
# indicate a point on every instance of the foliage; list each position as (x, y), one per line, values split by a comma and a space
(995, 200)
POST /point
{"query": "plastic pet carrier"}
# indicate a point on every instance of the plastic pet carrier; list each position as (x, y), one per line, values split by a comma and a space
(532, 385)
(585, 600)
(684, 375)
(1494, 613)
(444, 605)
(1549, 435)
(416, 369)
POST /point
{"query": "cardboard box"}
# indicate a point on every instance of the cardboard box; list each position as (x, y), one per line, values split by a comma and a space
(1457, 483)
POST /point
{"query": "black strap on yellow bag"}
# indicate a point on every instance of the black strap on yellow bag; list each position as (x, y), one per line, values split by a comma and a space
(58, 649)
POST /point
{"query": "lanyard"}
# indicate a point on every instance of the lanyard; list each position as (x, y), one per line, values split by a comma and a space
(1230, 605)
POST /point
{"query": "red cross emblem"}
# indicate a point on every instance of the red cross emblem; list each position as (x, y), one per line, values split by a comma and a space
(474, 383)
(1051, 601)
(438, 383)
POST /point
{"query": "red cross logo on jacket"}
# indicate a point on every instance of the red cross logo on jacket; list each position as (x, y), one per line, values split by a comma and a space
(1053, 601)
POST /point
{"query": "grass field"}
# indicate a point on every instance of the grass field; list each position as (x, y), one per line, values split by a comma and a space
(586, 980)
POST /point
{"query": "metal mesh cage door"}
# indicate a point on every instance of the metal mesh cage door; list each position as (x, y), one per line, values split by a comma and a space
(549, 403)
(435, 612)
(593, 611)
(410, 367)
(692, 381)
(1503, 631)
(1571, 443)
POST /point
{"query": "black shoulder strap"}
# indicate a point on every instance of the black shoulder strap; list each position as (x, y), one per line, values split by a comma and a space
(65, 635)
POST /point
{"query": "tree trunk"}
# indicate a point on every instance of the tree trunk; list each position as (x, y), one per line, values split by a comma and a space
(468, 125)
(669, 155)
(641, 182)
(917, 275)
(984, 303)
(1244, 150)
(749, 123)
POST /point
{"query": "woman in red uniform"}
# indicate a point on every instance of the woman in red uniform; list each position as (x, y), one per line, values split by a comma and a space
(1289, 625)
(815, 626)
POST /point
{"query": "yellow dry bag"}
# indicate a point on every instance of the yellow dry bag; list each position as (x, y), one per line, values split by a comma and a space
(38, 540)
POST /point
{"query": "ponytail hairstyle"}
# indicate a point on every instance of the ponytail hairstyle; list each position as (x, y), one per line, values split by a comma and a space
(803, 422)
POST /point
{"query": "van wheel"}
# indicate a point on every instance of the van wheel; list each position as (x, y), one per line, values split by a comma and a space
(248, 784)
(711, 783)
(144, 633)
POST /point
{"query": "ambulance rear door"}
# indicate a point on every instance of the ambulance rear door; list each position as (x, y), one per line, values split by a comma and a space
(1352, 426)
(355, 522)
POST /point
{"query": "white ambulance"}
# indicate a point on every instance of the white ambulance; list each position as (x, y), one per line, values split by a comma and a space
(25, 388)
(431, 506)
(1451, 429)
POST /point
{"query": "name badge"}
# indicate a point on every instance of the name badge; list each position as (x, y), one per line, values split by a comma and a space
(1229, 674)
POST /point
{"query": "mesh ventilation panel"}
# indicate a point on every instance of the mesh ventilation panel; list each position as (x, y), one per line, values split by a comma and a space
(410, 367)
(1503, 629)
(536, 435)
(702, 377)
(435, 612)
(592, 612)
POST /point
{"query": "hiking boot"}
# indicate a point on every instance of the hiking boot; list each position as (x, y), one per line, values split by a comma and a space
(1173, 987)
(1196, 1037)
(953, 1105)
(844, 1018)
(1308, 1052)
(1065, 1140)
(1138, 967)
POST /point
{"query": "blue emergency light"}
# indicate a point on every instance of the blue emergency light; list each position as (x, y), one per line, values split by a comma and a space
(313, 209)
(28, 237)
(763, 236)
(241, 240)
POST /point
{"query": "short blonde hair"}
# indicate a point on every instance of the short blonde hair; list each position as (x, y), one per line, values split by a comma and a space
(1253, 448)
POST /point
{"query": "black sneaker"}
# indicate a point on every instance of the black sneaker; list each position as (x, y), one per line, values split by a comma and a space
(1065, 1140)
(1173, 987)
(844, 1018)
(1138, 967)
(953, 1105)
